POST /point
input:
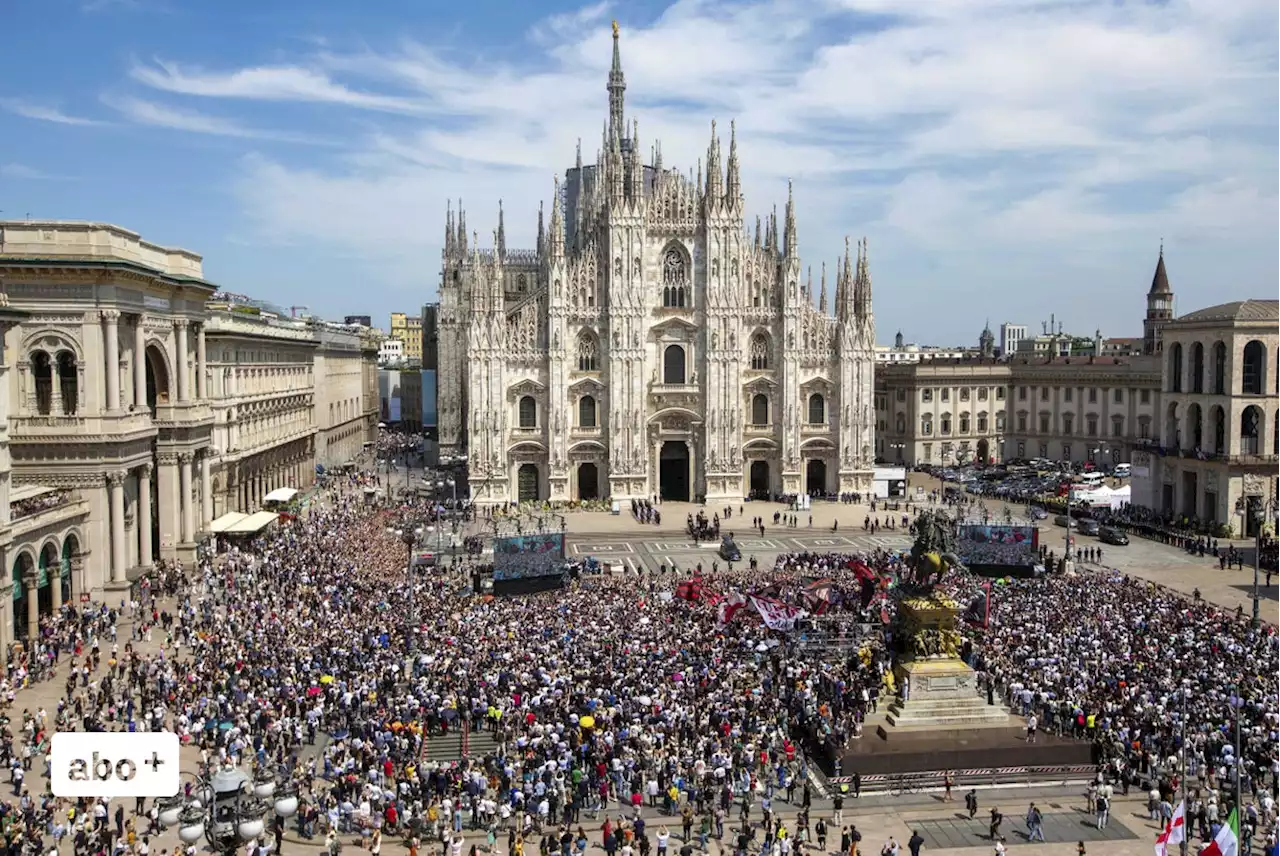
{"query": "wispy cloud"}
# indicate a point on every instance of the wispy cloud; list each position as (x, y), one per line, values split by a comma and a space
(28, 173)
(44, 112)
(145, 112)
(266, 83)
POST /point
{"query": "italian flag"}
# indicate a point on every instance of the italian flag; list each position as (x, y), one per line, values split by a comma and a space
(1227, 842)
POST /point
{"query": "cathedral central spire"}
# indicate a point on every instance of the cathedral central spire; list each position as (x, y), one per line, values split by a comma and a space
(617, 86)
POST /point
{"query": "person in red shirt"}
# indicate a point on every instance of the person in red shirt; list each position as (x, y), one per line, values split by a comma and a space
(391, 816)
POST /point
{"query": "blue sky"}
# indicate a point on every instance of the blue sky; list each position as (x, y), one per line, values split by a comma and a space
(1005, 158)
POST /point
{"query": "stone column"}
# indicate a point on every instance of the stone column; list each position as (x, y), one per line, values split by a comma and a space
(56, 591)
(139, 366)
(206, 491)
(115, 498)
(145, 557)
(184, 498)
(112, 318)
(201, 392)
(30, 582)
(180, 364)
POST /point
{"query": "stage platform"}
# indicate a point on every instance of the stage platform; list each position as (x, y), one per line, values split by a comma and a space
(927, 750)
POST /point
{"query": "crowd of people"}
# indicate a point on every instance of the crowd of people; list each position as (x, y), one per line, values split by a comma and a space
(313, 654)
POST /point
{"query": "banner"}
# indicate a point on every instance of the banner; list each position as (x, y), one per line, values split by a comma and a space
(729, 608)
(776, 614)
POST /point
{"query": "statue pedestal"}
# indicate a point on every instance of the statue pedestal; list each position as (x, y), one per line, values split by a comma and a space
(943, 693)
(940, 690)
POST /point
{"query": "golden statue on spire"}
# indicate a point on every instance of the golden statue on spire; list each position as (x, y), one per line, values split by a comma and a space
(615, 29)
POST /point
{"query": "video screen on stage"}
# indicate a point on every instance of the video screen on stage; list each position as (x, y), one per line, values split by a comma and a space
(527, 556)
(980, 545)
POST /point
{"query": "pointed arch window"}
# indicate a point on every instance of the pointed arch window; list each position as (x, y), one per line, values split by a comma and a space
(817, 409)
(760, 352)
(588, 356)
(675, 279)
(528, 412)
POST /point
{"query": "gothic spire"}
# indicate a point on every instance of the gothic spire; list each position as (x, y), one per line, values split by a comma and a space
(448, 230)
(733, 181)
(822, 293)
(758, 244)
(789, 234)
(556, 238)
(864, 284)
(714, 181)
(500, 239)
(542, 234)
(578, 163)
(846, 303)
(617, 86)
(462, 228)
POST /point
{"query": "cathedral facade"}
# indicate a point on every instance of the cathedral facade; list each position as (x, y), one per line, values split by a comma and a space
(651, 345)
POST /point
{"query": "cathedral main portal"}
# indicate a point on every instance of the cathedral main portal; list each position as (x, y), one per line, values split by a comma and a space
(673, 471)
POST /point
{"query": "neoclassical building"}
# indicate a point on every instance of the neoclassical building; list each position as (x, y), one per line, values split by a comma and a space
(134, 413)
(107, 404)
(650, 345)
(1214, 451)
(262, 390)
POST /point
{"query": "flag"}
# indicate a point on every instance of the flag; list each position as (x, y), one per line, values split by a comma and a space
(1175, 832)
(1227, 841)
(729, 607)
(776, 614)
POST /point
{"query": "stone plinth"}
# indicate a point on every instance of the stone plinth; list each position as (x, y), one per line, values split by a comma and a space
(943, 693)
(941, 690)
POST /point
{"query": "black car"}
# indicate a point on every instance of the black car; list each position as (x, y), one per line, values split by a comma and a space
(1088, 526)
(1110, 535)
(729, 550)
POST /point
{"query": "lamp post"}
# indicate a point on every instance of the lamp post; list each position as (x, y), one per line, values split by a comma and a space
(1262, 511)
(229, 808)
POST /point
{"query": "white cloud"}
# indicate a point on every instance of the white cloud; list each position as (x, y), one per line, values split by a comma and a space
(27, 173)
(994, 125)
(43, 112)
(179, 119)
(267, 83)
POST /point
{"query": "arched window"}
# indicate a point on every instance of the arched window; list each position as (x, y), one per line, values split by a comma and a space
(982, 422)
(926, 425)
(759, 409)
(759, 352)
(587, 357)
(964, 422)
(1218, 429)
(1219, 385)
(1197, 368)
(675, 279)
(1251, 430)
(42, 370)
(817, 409)
(68, 382)
(1175, 368)
(528, 412)
(673, 365)
(1253, 375)
(587, 412)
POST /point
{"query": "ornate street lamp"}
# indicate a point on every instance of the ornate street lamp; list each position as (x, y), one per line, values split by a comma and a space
(229, 808)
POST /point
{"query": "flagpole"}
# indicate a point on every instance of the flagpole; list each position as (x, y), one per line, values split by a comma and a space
(1182, 845)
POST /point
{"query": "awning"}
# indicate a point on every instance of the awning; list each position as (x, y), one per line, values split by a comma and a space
(253, 523)
(226, 521)
(28, 491)
(280, 494)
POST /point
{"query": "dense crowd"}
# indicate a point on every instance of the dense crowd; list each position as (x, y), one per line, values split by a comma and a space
(313, 654)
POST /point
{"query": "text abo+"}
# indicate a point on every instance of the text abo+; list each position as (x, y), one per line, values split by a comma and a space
(102, 764)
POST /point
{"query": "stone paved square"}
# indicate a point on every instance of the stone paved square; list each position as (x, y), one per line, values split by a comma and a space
(1065, 827)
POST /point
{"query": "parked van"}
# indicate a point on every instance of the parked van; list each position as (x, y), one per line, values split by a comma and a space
(1092, 479)
(1123, 471)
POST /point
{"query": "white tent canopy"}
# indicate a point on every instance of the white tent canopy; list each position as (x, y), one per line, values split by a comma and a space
(252, 524)
(280, 494)
(226, 521)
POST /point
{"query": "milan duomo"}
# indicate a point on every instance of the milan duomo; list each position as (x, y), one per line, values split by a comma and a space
(650, 346)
